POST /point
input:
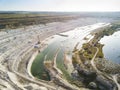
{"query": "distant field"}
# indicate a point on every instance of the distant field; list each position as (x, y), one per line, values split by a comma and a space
(15, 20)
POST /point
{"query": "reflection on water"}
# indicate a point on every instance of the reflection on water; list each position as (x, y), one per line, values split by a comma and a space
(111, 49)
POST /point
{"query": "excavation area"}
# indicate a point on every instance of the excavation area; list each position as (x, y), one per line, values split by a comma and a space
(58, 51)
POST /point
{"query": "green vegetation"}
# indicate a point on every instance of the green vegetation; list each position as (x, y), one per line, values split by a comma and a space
(100, 53)
(15, 20)
(87, 53)
(75, 60)
(109, 30)
(88, 49)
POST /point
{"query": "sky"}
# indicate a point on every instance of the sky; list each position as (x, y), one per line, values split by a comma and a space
(60, 5)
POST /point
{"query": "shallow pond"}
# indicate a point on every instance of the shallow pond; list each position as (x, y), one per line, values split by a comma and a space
(65, 42)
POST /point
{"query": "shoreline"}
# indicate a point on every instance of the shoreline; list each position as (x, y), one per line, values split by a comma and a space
(30, 64)
(34, 55)
(93, 51)
(45, 40)
(111, 46)
(24, 46)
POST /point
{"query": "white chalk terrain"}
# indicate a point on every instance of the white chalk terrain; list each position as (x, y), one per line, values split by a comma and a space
(18, 50)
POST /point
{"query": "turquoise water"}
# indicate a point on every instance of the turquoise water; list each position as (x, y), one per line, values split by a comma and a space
(111, 47)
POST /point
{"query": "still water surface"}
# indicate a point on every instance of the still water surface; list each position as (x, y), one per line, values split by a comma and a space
(111, 47)
(66, 43)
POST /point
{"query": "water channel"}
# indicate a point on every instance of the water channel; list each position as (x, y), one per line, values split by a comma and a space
(65, 42)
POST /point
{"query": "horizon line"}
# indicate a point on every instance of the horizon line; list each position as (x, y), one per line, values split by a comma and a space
(50, 11)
